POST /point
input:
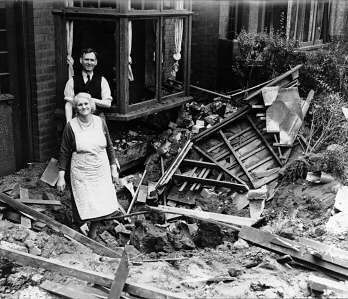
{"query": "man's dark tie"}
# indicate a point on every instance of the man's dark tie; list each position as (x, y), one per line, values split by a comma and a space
(88, 79)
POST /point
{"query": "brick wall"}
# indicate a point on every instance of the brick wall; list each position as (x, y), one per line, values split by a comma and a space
(44, 81)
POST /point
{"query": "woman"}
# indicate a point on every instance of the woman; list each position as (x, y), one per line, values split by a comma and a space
(93, 168)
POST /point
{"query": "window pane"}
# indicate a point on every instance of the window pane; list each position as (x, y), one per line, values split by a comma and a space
(3, 62)
(4, 84)
(108, 3)
(99, 36)
(143, 58)
(143, 4)
(173, 56)
(3, 40)
(2, 18)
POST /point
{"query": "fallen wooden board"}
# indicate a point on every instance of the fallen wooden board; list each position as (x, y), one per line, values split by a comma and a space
(229, 219)
(72, 292)
(59, 227)
(321, 284)
(296, 250)
(41, 202)
(26, 259)
(135, 289)
(50, 175)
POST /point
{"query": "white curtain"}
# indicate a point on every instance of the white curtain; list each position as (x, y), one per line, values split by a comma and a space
(130, 72)
(178, 31)
(130, 34)
(69, 41)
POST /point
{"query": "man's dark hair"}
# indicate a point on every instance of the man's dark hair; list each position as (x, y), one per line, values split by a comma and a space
(88, 50)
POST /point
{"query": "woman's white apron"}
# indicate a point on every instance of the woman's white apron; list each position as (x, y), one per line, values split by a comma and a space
(91, 181)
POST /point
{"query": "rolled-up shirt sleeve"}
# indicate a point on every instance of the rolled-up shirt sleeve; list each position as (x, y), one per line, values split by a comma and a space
(69, 91)
(105, 90)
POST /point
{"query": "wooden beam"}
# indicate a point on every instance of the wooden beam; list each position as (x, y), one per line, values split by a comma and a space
(274, 81)
(239, 161)
(209, 182)
(228, 219)
(204, 154)
(72, 291)
(55, 225)
(199, 163)
(41, 202)
(264, 141)
(26, 259)
(296, 250)
(120, 277)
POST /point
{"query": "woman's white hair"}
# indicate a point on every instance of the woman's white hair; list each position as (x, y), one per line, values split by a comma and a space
(84, 95)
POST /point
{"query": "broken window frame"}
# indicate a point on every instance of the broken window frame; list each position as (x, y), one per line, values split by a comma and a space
(120, 16)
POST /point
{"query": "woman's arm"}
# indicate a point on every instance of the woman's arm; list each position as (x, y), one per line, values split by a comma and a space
(67, 147)
(114, 165)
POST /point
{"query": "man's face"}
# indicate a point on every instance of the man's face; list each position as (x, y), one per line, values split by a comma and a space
(88, 62)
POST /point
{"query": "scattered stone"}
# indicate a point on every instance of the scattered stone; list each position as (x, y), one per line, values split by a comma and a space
(259, 286)
(208, 194)
(270, 264)
(208, 235)
(235, 271)
(37, 278)
(193, 228)
(147, 238)
(240, 244)
(225, 246)
(180, 237)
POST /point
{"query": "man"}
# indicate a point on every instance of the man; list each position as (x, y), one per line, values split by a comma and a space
(87, 81)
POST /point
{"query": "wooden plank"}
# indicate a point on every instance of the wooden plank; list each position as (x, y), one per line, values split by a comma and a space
(70, 292)
(239, 161)
(321, 284)
(242, 132)
(264, 140)
(50, 175)
(120, 277)
(150, 292)
(174, 166)
(296, 250)
(221, 167)
(41, 202)
(229, 219)
(142, 194)
(95, 246)
(210, 182)
(192, 172)
(274, 81)
(26, 259)
(199, 163)
(136, 193)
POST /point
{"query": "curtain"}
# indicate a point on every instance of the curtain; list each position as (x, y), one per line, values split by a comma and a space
(178, 32)
(130, 34)
(69, 41)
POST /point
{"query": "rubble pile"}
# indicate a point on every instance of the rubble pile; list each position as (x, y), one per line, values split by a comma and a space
(188, 223)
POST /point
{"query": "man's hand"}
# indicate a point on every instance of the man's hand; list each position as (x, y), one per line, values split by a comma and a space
(106, 103)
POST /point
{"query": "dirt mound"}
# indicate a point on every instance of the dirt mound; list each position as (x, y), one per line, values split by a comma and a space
(301, 208)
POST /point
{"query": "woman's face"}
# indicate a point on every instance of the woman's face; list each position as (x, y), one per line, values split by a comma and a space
(83, 106)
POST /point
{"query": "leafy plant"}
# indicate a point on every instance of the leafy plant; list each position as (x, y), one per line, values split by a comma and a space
(327, 122)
